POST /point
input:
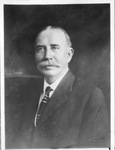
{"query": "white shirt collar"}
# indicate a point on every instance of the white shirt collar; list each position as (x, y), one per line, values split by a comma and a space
(55, 84)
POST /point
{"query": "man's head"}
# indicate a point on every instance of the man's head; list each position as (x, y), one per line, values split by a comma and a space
(53, 52)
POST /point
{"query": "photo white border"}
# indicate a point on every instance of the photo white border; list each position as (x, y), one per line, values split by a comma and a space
(112, 76)
(112, 56)
(2, 78)
(55, 1)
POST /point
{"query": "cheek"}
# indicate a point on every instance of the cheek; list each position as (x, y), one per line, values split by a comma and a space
(38, 57)
(62, 58)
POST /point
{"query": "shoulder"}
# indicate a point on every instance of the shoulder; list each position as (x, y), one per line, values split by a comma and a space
(88, 93)
(20, 93)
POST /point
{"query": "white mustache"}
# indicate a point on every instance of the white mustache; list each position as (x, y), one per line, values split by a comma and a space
(48, 63)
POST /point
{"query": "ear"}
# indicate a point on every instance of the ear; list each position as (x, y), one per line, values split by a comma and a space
(70, 53)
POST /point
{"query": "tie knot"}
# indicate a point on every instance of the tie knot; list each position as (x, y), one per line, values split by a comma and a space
(48, 90)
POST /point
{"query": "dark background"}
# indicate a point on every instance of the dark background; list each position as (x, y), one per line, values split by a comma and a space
(88, 26)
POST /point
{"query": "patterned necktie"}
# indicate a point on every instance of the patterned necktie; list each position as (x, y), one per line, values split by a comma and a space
(43, 104)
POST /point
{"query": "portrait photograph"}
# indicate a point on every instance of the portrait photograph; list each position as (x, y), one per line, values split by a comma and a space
(57, 75)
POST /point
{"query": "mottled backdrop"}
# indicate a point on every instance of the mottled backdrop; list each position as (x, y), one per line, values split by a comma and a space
(88, 26)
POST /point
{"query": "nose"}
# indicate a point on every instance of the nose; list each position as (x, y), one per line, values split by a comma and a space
(48, 53)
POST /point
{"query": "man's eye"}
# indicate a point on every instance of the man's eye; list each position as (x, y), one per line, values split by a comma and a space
(40, 49)
(55, 47)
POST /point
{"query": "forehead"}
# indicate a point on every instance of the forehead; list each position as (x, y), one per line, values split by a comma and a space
(51, 36)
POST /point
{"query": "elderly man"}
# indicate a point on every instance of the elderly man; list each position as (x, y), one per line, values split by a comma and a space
(61, 110)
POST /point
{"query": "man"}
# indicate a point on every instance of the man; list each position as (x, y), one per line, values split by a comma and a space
(71, 113)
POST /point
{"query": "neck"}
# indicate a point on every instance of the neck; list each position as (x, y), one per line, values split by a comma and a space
(50, 80)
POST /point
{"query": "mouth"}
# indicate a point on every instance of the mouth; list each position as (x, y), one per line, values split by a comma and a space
(48, 66)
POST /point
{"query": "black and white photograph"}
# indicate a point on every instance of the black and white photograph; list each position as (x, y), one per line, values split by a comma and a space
(57, 76)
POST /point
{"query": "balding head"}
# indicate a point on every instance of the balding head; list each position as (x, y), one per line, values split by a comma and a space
(67, 38)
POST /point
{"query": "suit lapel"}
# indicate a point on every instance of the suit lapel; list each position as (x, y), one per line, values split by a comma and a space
(59, 96)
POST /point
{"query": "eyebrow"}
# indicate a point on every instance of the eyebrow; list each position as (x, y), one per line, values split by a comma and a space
(39, 46)
(54, 45)
(50, 45)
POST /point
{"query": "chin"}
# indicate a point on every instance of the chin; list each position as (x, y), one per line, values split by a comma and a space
(50, 73)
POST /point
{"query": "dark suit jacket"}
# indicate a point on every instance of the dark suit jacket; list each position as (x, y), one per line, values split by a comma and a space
(76, 116)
